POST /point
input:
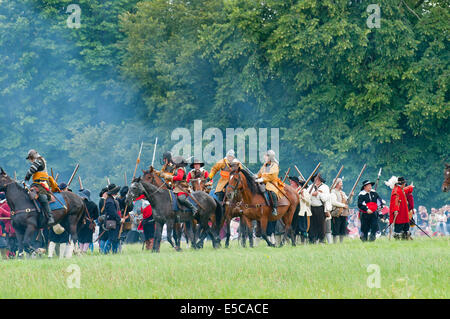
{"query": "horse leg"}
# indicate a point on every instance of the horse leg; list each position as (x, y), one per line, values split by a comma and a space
(27, 238)
(228, 233)
(158, 235)
(249, 230)
(170, 224)
(20, 237)
(73, 243)
(264, 222)
(190, 234)
(288, 229)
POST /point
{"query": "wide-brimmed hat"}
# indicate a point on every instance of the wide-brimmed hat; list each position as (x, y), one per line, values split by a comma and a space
(62, 186)
(112, 189)
(295, 179)
(103, 191)
(85, 194)
(366, 182)
(196, 161)
(401, 180)
(320, 176)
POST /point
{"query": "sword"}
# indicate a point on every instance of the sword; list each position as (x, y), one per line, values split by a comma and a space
(412, 221)
(154, 152)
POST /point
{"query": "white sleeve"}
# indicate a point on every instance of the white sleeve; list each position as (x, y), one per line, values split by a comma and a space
(335, 202)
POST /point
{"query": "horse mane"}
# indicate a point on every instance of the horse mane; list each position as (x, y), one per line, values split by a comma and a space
(250, 182)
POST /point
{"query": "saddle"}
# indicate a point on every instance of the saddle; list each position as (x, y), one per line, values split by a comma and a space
(283, 201)
(177, 206)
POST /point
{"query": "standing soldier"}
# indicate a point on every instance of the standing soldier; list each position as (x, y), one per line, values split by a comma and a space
(367, 204)
(197, 173)
(339, 212)
(398, 209)
(304, 214)
(268, 174)
(41, 182)
(179, 182)
(320, 202)
(224, 167)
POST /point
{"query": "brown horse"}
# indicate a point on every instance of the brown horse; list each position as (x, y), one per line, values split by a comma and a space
(199, 184)
(234, 209)
(25, 216)
(446, 183)
(255, 206)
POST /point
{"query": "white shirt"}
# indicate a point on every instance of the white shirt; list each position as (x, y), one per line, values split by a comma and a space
(323, 197)
(305, 204)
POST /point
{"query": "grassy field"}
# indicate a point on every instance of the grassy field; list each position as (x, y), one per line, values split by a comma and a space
(414, 269)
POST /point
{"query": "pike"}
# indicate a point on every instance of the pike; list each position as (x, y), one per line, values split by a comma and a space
(335, 179)
(356, 183)
(81, 184)
(73, 175)
(287, 174)
(108, 181)
(378, 179)
(299, 173)
(56, 177)
(300, 188)
(138, 160)
(15, 176)
(125, 176)
(51, 169)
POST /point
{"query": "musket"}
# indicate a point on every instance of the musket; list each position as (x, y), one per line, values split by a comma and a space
(125, 176)
(299, 173)
(287, 174)
(154, 152)
(81, 184)
(356, 183)
(108, 181)
(73, 175)
(300, 188)
(56, 177)
(335, 179)
(378, 179)
(15, 176)
(51, 170)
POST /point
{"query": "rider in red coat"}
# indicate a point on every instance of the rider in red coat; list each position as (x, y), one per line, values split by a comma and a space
(398, 209)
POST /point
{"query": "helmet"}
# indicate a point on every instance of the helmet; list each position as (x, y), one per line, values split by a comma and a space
(230, 153)
(32, 154)
(271, 155)
(168, 156)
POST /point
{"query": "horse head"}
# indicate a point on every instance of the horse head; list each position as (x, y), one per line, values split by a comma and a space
(446, 184)
(4, 179)
(234, 185)
(151, 177)
(134, 191)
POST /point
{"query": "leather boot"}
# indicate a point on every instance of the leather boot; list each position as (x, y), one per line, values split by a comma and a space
(185, 202)
(46, 209)
(275, 203)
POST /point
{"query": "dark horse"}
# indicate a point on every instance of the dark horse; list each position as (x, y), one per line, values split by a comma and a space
(200, 231)
(25, 217)
(163, 212)
(255, 206)
(446, 184)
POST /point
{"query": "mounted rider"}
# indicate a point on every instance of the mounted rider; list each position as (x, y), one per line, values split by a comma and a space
(197, 173)
(42, 182)
(268, 174)
(224, 166)
(181, 187)
(168, 165)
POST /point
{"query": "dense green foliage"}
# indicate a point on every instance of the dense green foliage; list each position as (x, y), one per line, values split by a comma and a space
(340, 92)
(408, 270)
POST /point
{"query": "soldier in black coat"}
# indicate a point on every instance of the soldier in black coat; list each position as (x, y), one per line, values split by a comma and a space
(112, 218)
(87, 228)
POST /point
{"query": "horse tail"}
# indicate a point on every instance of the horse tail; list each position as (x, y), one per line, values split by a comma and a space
(83, 215)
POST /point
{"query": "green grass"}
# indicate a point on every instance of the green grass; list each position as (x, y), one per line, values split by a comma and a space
(413, 269)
